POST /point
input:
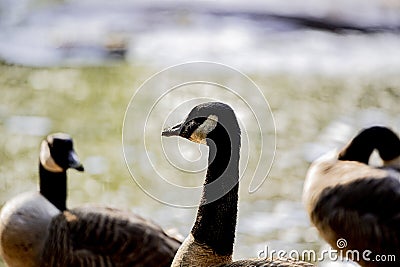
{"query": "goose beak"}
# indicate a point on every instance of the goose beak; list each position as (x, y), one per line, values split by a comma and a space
(74, 163)
(172, 131)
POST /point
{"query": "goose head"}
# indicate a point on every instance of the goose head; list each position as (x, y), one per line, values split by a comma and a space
(207, 122)
(383, 139)
(57, 153)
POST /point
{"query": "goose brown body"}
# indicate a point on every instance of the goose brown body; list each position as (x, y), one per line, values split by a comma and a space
(347, 198)
(37, 229)
(103, 236)
(211, 240)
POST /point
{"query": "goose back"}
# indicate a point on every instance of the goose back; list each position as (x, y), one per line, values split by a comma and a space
(101, 236)
(367, 223)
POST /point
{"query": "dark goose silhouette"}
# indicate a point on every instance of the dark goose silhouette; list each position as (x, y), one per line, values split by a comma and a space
(211, 240)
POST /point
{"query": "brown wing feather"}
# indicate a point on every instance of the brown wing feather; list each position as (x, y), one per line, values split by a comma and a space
(365, 212)
(100, 236)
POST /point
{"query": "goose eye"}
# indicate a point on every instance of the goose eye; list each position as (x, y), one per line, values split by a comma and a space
(194, 124)
(189, 128)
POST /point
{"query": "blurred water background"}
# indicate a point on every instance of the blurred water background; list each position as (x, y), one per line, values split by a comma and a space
(327, 69)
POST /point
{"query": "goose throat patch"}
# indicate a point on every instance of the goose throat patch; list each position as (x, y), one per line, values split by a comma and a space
(200, 134)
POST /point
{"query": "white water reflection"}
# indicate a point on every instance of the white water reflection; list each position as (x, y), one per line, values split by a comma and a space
(28, 125)
(256, 36)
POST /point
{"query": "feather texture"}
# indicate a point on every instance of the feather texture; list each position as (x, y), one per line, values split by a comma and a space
(101, 236)
(348, 199)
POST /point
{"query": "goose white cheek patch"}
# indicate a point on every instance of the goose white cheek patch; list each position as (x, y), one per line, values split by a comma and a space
(200, 134)
(46, 159)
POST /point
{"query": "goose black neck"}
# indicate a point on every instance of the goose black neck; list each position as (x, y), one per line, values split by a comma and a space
(216, 217)
(53, 186)
(381, 138)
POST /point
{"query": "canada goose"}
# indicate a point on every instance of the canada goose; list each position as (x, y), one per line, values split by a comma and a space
(347, 198)
(37, 229)
(210, 242)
